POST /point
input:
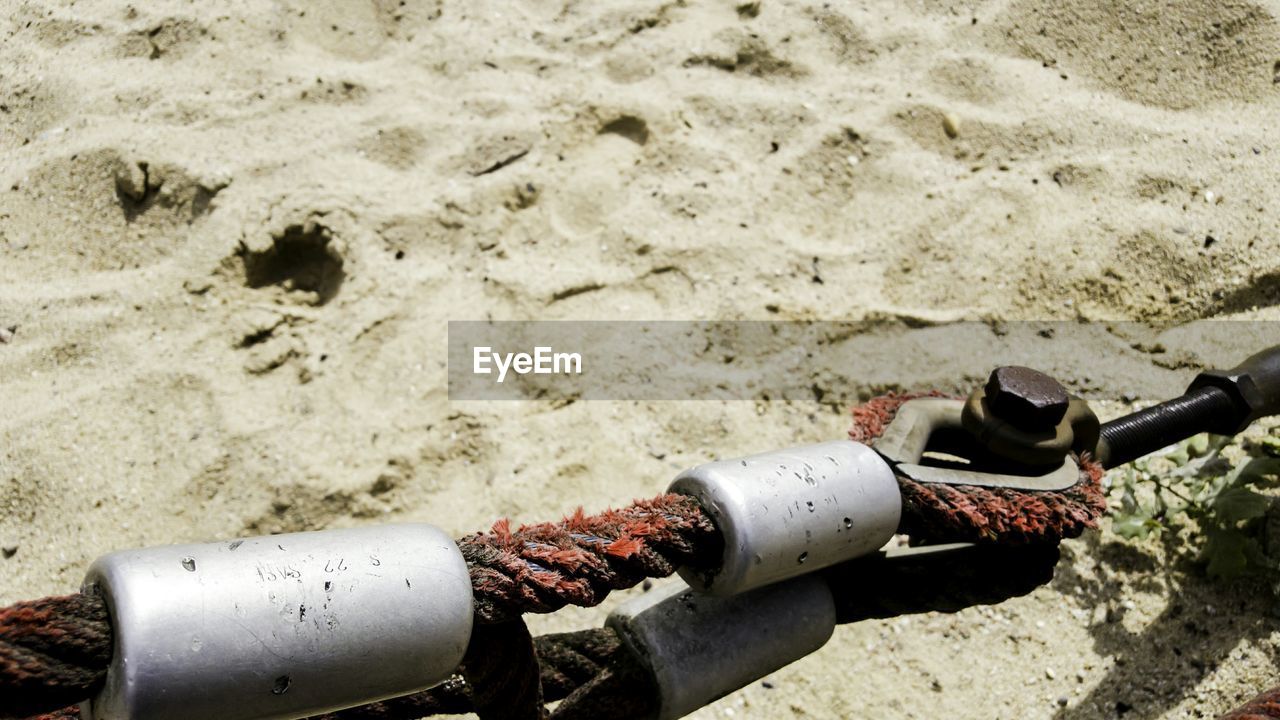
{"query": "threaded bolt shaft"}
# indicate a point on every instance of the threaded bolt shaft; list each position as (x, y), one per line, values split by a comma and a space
(1145, 431)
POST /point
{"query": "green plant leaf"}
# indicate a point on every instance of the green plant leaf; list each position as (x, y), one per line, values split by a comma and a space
(1225, 552)
(1260, 472)
(1198, 446)
(1129, 497)
(1239, 503)
(1131, 526)
(1212, 489)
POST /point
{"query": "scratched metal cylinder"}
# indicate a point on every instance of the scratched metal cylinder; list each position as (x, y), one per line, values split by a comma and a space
(793, 511)
(280, 627)
(700, 648)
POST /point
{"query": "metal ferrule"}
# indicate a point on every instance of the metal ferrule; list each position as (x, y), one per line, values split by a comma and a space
(280, 627)
(791, 512)
(700, 648)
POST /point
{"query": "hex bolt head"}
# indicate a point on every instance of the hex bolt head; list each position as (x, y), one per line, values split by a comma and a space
(1026, 398)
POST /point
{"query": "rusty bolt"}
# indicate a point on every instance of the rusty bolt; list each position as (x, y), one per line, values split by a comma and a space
(1027, 399)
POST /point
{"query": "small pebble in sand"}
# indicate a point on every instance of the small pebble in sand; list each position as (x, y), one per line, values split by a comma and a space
(1063, 700)
(951, 125)
(6, 334)
(1210, 197)
(1050, 674)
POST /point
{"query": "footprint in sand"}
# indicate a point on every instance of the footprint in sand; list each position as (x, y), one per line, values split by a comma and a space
(304, 262)
(121, 211)
(596, 185)
(396, 147)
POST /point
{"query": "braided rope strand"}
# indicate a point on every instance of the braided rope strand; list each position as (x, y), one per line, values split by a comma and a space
(53, 652)
(578, 561)
(501, 667)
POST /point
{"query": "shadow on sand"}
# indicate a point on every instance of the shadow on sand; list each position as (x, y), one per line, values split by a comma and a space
(1161, 665)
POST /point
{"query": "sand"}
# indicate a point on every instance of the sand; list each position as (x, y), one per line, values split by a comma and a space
(231, 236)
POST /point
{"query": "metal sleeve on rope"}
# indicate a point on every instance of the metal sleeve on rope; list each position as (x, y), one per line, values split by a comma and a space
(282, 626)
(700, 648)
(790, 512)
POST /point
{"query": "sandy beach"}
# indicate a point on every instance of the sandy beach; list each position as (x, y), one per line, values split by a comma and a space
(232, 236)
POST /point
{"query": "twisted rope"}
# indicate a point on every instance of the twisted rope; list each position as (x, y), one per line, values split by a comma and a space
(543, 567)
(53, 652)
(501, 668)
(623, 688)
(579, 560)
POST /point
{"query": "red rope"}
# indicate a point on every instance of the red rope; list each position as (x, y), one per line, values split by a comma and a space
(579, 560)
(501, 668)
(59, 657)
(53, 651)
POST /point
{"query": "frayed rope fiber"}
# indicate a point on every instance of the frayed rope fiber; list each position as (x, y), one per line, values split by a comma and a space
(579, 560)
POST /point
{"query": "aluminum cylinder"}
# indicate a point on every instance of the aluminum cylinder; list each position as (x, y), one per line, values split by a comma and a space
(700, 648)
(279, 627)
(791, 512)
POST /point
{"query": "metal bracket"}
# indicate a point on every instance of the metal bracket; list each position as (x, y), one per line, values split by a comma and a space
(906, 438)
(1060, 478)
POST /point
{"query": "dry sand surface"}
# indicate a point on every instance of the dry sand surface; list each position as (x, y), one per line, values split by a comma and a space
(231, 235)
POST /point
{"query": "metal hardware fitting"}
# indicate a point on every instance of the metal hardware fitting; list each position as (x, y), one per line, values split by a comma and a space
(700, 648)
(907, 437)
(280, 627)
(791, 512)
